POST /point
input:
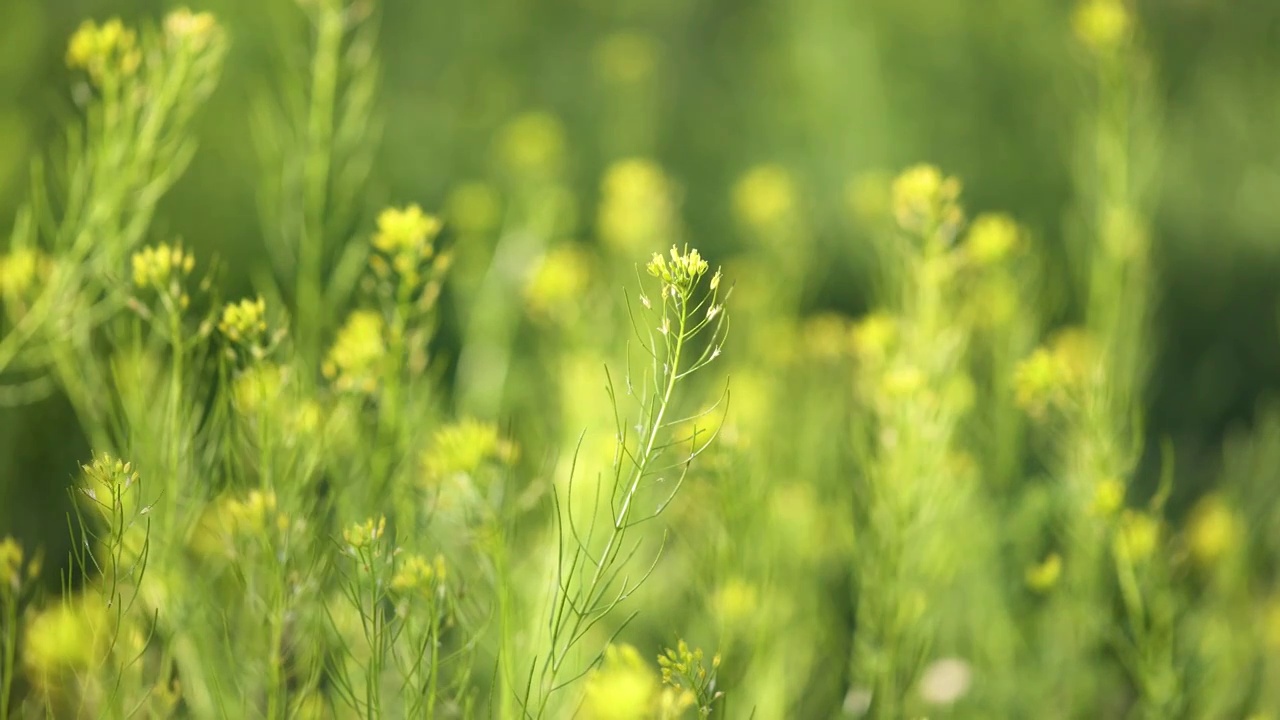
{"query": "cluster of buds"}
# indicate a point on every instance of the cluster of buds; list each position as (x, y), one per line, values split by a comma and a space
(103, 50)
(164, 268)
(405, 242)
(355, 361)
(244, 323)
(681, 273)
(417, 574)
(926, 203)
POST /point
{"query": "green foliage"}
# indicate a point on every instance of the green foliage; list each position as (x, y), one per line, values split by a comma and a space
(492, 462)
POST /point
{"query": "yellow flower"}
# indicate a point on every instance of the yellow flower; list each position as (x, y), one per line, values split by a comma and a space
(1044, 575)
(764, 197)
(637, 207)
(558, 285)
(681, 273)
(63, 638)
(1137, 536)
(10, 564)
(354, 361)
(194, 30)
(408, 229)
(258, 388)
(415, 572)
(626, 57)
(360, 535)
(1102, 25)
(245, 322)
(991, 238)
(532, 144)
(21, 270)
(100, 49)
(463, 447)
(925, 200)
(624, 687)
(873, 335)
(1108, 497)
(1214, 530)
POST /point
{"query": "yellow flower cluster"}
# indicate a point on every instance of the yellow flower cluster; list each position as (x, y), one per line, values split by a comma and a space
(107, 481)
(532, 144)
(22, 271)
(1052, 375)
(1043, 576)
(258, 387)
(764, 198)
(64, 638)
(245, 322)
(464, 447)
(1102, 25)
(992, 237)
(1137, 536)
(926, 202)
(1108, 497)
(406, 230)
(354, 361)
(195, 31)
(624, 687)
(1214, 530)
(416, 573)
(681, 662)
(154, 266)
(103, 49)
(12, 558)
(363, 534)
(682, 272)
(637, 209)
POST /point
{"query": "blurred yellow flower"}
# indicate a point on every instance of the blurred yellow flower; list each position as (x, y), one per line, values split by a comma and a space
(10, 564)
(1102, 25)
(532, 144)
(1214, 529)
(925, 200)
(363, 534)
(992, 237)
(193, 30)
(463, 447)
(1108, 497)
(354, 362)
(874, 335)
(416, 573)
(903, 381)
(1043, 576)
(21, 270)
(258, 387)
(407, 229)
(557, 286)
(764, 197)
(66, 637)
(100, 49)
(637, 207)
(1137, 536)
(245, 322)
(624, 687)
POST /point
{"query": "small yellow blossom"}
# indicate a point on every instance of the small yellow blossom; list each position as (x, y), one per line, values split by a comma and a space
(417, 573)
(991, 239)
(361, 535)
(406, 229)
(64, 638)
(465, 446)
(532, 144)
(874, 335)
(1102, 25)
(354, 363)
(556, 288)
(1137, 536)
(1108, 497)
(764, 197)
(637, 206)
(926, 201)
(1042, 576)
(245, 322)
(624, 687)
(102, 49)
(22, 270)
(194, 30)
(1213, 530)
(681, 273)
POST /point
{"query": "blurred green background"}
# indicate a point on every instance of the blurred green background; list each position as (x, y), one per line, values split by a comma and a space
(829, 89)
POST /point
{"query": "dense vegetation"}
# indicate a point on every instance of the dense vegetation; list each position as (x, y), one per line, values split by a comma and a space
(495, 415)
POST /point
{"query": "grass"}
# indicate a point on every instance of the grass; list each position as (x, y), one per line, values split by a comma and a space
(610, 506)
